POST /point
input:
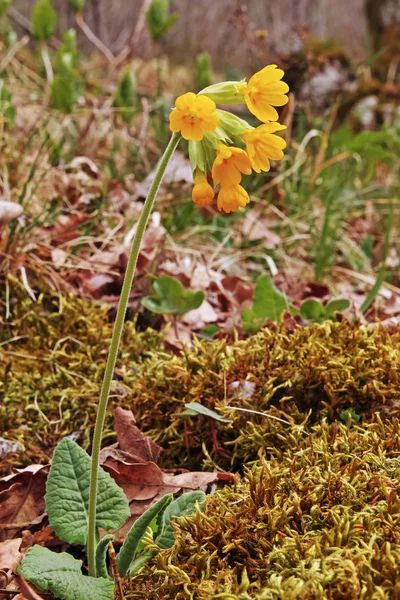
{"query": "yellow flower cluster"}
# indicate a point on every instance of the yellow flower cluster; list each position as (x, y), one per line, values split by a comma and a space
(210, 132)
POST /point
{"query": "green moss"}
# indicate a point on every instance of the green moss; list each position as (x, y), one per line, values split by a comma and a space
(318, 522)
(52, 357)
(313, 373)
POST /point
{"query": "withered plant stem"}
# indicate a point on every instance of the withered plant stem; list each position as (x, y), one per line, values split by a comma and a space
(114, 347)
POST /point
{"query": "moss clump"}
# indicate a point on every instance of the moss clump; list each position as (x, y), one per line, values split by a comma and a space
(52, 357)
(313, 373)
(319, 522)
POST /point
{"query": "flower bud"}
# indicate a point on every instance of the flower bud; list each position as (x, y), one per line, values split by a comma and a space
(226, 92)
(232, 124)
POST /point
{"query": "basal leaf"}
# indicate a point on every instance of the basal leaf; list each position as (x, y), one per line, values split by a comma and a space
(181, 507)
(61, 574)
(101, 556)
(138, 529)
(170, 297)
(337, 305)
(67, 495)
(312, 310)
(268, 301)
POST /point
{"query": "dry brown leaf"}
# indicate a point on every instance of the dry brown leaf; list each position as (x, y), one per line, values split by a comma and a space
(10, 556)
(200, 317)
(255, 227)
(22, 497)
(131, 440)
(144, 483)
(27, 592)
(178, 170)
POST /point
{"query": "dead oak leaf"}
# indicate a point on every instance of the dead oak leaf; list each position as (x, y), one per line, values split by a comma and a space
(22, 496)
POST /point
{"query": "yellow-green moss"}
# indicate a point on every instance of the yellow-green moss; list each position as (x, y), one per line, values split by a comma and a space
(303, 377)
(52, 357)
(321, 521)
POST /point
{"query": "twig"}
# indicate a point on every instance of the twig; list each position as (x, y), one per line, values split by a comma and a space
(135, 37)
(13, 51)
(114, 567)
(93, 38)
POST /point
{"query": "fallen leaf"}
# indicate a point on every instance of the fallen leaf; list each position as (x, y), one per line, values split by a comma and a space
(200, 317)
(22, 497)
(9, 211)
(131, 440)
(28, 593)
(179, 170)
(144, 483)
(255, 227)
(10, 556)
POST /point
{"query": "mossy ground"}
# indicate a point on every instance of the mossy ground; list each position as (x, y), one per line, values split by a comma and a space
(321, 521)
(315, 512)
(52, 355)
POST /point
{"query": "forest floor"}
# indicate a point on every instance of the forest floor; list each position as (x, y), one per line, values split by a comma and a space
(289, 419)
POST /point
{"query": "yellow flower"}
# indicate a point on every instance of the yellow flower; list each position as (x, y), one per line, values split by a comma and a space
(229, 165)
(193, 115)
(230, 197)
(264, 91)
(203, 192)
(262, 146)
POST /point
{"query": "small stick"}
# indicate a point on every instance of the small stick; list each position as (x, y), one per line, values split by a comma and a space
(93, 38)
(114, 567)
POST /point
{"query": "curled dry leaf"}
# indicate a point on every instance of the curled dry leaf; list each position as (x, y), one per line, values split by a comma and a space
(27, 592)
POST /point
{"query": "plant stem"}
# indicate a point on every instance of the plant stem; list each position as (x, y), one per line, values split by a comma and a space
(114, 346)
(47, 62)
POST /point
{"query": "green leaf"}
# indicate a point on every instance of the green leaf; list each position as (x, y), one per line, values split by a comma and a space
(203, 70)
(312, 310)
(101, 556)
(77, 5)
(4, 6)
(157, 19)
(7, 108)
(141, 560)
(67, 495)
(337, 305)
(181, 507)
(209, 331)
(137, 531)
(203, 410)
(268, 303)
(44, 20)
(126, 95)
(61, 574)
(169, 297)
(349, 412)
(62, 93)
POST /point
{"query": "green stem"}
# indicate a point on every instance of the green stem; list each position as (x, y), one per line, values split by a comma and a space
(47, 62)
(114, 346)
